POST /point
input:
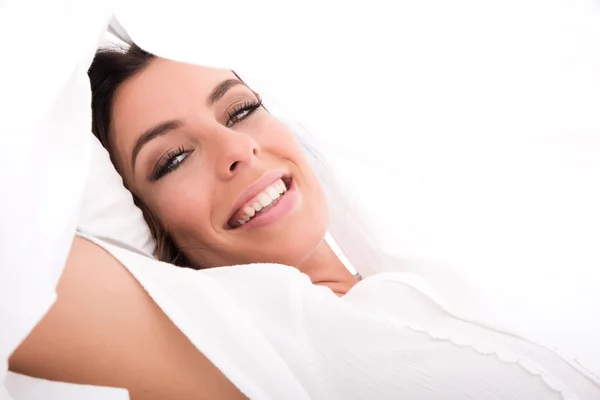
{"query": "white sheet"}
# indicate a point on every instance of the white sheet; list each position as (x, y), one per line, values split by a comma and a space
(485, 116)
(26, 388)
(384, 340)
(44, 119)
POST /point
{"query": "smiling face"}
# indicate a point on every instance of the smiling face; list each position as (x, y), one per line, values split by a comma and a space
(227, 180)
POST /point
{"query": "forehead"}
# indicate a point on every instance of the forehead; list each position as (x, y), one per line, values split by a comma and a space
(164, 87)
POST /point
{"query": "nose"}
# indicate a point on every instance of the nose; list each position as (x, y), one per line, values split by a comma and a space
(234, 151)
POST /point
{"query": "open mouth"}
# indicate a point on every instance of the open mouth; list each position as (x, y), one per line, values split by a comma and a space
(261, 203)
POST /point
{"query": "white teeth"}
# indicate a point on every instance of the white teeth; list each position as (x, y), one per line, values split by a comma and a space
(272, 192)
(264, 199)
(279, 186)
(282, 185)
(249, 211)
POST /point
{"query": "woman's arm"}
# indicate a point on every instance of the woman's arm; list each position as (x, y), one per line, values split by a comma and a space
(105, 330)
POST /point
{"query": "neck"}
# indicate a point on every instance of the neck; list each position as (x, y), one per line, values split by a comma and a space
(324, 268)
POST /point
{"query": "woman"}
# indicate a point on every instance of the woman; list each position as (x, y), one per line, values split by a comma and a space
(195, 147)
(220, 180)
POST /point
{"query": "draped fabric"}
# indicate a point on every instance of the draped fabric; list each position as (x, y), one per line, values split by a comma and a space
(457, 141)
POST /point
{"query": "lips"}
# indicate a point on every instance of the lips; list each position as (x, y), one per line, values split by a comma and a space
(260, 204)
(258, 198)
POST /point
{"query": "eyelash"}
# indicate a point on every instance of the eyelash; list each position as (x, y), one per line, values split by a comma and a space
(248, 106)
(165, 164)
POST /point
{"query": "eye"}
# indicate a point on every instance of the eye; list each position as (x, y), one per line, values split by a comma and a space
(242, 112)
(239, 116)
(177, 160)
(169, 162)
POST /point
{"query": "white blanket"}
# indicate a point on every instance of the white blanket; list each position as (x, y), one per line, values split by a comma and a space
(385, 339)
(495, 167)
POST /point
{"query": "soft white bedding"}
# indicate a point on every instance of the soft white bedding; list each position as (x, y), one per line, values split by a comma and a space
(276, 335)
(490, 137)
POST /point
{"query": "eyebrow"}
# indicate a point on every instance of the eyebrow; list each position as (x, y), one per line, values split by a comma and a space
(150, 134)
(165, 127)
(220, 90)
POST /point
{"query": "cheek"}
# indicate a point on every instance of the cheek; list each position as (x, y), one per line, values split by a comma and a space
(275, 138)
(184, 211)
(314, 220)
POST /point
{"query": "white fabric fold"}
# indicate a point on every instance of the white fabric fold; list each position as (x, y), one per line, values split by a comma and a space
(44, 125)
(487, 128)
(27, 388)
(385, 339)
(216, 323)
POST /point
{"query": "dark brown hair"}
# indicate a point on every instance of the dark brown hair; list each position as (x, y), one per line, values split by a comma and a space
(110, 68)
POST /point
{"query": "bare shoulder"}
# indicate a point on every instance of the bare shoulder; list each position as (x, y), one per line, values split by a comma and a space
(105, 330)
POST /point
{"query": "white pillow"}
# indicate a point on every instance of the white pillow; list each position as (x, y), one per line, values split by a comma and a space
(108, 211)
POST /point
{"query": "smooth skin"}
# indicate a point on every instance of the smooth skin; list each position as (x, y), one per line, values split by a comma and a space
(105, 330)
(215, 141)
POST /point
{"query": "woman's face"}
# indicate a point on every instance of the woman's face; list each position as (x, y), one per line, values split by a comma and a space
(227, 180)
